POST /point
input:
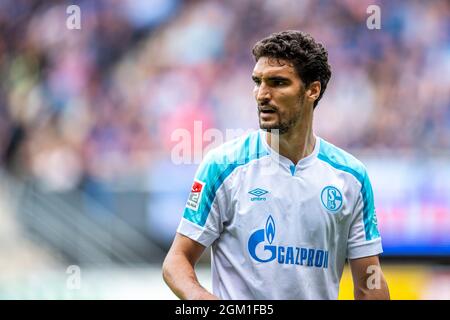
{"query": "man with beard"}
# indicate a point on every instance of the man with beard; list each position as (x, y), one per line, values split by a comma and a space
(283, 233)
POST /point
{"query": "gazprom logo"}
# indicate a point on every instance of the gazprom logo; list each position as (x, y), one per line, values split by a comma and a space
(262, 250)
(258, 193)
(270, 229)
(260, 236)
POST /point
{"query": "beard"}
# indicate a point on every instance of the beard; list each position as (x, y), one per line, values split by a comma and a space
(283, 125)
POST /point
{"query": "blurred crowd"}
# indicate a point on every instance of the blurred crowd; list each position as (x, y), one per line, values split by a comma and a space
(101, 103)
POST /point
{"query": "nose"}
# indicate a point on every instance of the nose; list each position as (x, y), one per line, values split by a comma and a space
(262, 94)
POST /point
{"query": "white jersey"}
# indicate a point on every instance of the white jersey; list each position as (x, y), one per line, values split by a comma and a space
(279, 230)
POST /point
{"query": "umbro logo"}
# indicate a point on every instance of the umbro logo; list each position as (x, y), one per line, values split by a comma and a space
(258, 193)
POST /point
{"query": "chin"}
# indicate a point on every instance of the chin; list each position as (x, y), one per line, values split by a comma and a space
(271, 129)
(269, 125)
(275, 127)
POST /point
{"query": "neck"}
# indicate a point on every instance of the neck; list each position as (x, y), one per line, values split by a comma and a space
(297, 143)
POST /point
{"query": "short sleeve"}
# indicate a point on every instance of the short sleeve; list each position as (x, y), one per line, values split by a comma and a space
(206, 203)
(364, 239)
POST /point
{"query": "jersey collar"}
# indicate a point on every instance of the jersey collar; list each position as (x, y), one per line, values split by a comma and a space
(285, 162)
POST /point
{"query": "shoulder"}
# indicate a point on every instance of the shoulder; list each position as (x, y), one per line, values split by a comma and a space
(342, 160)
(224, 159)
(238, 151)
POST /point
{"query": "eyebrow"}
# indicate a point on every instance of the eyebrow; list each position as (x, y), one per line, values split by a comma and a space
(273, 78)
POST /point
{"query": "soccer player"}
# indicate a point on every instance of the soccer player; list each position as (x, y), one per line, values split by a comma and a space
(283, 233)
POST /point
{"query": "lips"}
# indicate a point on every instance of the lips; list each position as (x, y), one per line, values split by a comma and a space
(267, 110)
(267, 114)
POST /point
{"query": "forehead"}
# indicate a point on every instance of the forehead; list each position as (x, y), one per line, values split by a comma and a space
(269, 67)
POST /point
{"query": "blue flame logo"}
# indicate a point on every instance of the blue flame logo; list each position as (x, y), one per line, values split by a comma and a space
(260, 236)
(270, 229)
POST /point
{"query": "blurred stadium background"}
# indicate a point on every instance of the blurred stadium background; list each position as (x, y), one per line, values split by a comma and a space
(86, 117)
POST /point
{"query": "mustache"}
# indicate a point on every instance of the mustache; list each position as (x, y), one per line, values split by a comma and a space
(267, 107)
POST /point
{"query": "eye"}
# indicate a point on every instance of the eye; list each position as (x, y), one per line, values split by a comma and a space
(279, 82)
(257, 81)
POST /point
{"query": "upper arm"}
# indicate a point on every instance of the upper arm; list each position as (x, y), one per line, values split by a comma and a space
(207, 202)
(368, 279)
(186, 247)
(362, 268)
(364, 239)
(364, 246)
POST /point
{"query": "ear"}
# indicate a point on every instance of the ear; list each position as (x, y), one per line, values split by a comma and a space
(313, 91)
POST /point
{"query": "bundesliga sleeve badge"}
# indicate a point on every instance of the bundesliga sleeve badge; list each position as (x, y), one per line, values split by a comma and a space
(195, 195)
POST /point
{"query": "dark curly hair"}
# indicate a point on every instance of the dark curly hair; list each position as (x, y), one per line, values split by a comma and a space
(310, 58)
